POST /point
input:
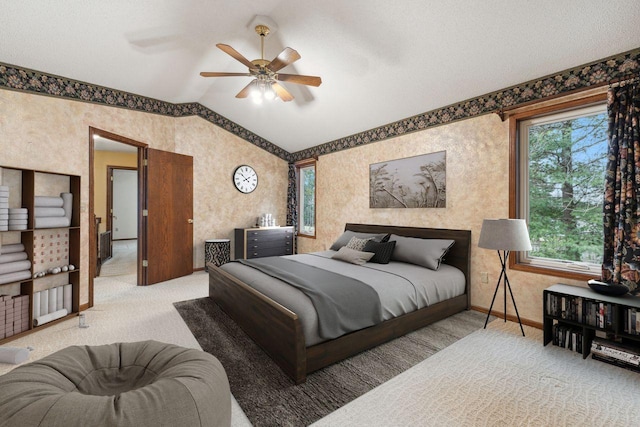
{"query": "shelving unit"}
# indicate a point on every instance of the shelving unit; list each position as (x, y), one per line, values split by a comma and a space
(574, 307)
(24, 185)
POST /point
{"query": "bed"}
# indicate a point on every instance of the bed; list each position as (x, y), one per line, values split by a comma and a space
(279, 331)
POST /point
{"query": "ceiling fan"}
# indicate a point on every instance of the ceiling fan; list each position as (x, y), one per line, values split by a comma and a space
(266, 77)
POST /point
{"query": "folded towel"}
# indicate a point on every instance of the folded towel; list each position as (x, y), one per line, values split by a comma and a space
(4, 205)
(15, 277)
(18, 227)
(4, 187)
(11, 248)
(53, 212)
(12, 267)
(67, 205)
(48, 201)
(18, 216)
(17, 221)
(4, 195)
(52, 222)
(4, 227)
(16, 256)
(18, 210)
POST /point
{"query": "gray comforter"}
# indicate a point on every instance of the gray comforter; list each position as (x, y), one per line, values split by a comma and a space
(402, 287)
(343, 304)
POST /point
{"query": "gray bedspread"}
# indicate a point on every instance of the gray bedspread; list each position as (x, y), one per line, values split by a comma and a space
(402, 287)
(343, 304)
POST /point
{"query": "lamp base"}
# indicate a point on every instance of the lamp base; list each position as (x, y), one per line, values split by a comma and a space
(503, 278)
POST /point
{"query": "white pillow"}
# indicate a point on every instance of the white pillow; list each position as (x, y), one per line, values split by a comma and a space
(352, 256)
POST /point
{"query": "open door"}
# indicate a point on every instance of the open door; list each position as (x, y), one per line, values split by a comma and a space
(168, 250)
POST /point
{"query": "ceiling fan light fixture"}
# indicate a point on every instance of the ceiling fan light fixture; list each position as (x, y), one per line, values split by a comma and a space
(269, 93)
(266, 73)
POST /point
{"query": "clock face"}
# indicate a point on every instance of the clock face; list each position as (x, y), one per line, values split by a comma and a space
(245, 179)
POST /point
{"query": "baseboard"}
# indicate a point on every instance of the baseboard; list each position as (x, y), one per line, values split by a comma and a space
(198, 269)
(510, 317)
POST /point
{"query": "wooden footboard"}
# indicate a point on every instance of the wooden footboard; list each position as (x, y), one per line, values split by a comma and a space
(276, 329)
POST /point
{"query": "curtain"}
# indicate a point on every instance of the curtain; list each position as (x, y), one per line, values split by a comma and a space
(292, 200)
(621, 262)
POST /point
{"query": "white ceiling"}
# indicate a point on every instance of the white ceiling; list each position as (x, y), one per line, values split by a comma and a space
(380, 60)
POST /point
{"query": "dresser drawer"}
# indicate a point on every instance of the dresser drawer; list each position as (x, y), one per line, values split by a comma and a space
(263, 252)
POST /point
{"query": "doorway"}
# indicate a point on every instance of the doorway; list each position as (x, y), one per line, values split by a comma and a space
(164, 210)
(109, 152)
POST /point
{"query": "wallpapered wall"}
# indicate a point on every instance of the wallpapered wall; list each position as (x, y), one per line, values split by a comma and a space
(477, 156)
(49, 134)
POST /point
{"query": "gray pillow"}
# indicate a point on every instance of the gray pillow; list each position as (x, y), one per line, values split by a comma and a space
(352, 256)
(424, 252)
(347, 235)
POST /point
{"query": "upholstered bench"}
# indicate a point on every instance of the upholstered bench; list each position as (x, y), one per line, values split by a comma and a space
(124, 384)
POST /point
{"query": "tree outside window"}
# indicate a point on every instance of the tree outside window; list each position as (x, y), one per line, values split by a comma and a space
(563, 158)
(307, 199)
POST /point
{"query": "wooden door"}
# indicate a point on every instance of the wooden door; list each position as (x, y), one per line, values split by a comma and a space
(169, 200)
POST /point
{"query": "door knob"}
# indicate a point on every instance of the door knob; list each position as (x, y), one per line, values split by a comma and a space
(190, 221)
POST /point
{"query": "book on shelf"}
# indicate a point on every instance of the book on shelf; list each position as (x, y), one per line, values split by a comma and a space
(568, 337)
(580, 310)
(620, 352)
(632, 324)
(615, 362)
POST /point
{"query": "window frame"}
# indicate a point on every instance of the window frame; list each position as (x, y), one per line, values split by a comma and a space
(303, 164)
(517, 259)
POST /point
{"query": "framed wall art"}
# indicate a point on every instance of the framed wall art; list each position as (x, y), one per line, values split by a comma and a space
(412, 182)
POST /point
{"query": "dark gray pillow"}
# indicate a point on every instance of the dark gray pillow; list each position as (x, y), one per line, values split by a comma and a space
(425, 252)
(382, 251)
(347, 235)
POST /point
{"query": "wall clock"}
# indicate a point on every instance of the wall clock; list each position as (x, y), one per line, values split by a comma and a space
(245, 179)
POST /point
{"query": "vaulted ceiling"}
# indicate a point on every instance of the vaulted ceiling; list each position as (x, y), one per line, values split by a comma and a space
(380, 61)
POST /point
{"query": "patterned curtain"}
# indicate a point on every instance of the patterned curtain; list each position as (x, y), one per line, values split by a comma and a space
(621, 263)
(292, 200)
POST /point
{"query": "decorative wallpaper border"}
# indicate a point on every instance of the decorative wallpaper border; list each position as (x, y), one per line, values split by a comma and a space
(597, 73)
(25, 80)
(594, 74)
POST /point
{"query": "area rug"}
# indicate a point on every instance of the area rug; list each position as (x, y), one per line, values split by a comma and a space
(269, 397)
(498, 378)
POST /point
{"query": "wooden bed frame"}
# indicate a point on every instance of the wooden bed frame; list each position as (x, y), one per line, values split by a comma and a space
(278, 331)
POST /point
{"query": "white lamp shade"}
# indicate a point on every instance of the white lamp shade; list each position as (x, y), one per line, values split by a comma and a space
(505, 235)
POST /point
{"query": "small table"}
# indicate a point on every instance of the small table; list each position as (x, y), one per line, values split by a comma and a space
(217, 251)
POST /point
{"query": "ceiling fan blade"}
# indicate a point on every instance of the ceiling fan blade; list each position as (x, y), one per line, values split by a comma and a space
(281, 92)
(286, 57)
(299, 79)
(215, 74)
(235, 54)
(246, 91)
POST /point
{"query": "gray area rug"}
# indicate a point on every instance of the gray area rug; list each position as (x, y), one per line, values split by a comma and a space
(270, 398)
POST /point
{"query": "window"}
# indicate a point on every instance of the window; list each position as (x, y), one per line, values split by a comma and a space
(307, 198)
(562, 158)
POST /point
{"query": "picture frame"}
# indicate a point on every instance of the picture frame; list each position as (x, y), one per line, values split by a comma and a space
(411, 182)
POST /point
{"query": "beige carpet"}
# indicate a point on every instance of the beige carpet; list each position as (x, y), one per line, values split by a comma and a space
(490, 378)
(495, 377)
(125, 312)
